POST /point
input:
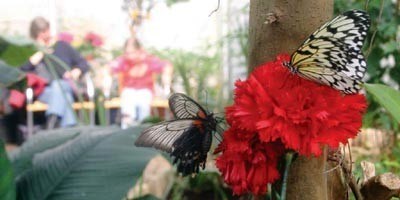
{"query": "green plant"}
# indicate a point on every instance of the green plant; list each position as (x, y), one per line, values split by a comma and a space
(382, 42)
(205, 185)
(16, 50)
(79, 163)
(8, 77)
(388, 97)
(7, 185)
(152, 120)
(11, 77)
(195, 71)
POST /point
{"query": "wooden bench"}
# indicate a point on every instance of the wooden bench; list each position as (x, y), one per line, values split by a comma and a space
(113, 103)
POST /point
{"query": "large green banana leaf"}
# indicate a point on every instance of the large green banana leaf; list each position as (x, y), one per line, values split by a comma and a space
(16, 50)
(9, 75)
(99, 163)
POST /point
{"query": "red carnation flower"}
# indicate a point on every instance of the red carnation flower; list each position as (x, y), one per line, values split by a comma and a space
(94, 39)
(274, 109)
(302, 114)
(66, 37)
(248, 164)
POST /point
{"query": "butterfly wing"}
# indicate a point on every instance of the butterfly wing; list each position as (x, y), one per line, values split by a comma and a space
(332, 78)
(184, 107)
(163, 135)
(191, 150)
(335, 45)
(187, 140)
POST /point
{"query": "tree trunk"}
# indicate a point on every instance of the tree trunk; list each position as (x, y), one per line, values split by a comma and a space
(296, 20)
(280, 26)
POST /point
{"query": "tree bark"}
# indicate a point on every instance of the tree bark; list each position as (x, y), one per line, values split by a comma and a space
(296, 20)
(279, 26)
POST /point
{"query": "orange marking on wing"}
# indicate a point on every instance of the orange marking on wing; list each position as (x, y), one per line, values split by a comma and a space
(198, 124)
(201, 114)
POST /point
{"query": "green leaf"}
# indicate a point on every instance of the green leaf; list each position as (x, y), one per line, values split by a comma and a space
(22, 157)
(98, 163)
(9, 75)
(16, 50)
(374, 69)
(388, 97)
(147, 197)
(7, 185)
(389, 47)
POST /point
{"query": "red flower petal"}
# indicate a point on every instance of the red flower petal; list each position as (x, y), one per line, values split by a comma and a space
(274, 108)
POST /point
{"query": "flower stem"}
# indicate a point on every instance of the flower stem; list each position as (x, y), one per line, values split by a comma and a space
(288, 162)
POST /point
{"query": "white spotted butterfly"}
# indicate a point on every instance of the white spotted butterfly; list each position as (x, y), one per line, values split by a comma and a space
(332, 54)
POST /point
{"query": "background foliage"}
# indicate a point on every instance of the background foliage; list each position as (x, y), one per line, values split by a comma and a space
(7, 185)
(382, 45)
(15, 50)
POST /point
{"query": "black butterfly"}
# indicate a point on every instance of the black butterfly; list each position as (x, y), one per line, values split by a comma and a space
(187, 138)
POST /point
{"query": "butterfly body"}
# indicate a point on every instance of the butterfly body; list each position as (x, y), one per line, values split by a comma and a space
(332, 54)
(187, 138)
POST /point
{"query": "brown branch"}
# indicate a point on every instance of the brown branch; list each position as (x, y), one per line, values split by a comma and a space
(383, 187)
(352, 181)
(215, 10)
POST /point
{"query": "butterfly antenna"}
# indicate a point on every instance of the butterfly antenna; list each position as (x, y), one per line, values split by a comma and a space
(207, 100)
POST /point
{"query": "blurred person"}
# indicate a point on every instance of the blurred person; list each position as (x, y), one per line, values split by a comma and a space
(136, 69)
(58, 93)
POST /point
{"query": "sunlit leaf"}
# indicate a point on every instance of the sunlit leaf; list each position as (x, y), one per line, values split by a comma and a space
(388, 97)
(16, 50)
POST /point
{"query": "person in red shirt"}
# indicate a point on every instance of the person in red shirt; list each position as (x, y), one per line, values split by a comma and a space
(136, 69)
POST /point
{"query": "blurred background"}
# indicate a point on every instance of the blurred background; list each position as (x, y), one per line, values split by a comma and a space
(207, 46)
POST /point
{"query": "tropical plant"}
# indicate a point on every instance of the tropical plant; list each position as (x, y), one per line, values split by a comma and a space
(7, 184)
(382, 46)
(206, 185)
(74, 163)
(199, 74)
(79, 163)
(15, 50)
(9, 76)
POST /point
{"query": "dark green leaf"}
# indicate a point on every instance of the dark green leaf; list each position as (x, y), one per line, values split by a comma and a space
(7, 185)
(388, 97)
(9, 75)
(16, 50)
(147, 197)
(389, 47)
(98, 163)
(22, 157)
